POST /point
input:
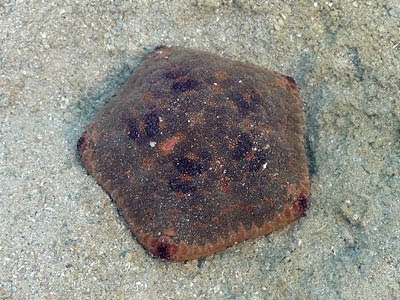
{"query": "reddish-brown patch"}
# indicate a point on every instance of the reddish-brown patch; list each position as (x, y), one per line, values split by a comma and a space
(191, 155)
(141, 126)
(211, 101)
(224, 185)
(247, 97)
(280, 83)
(162, 102)
(168, 145)
(169, 232)
(266, 200)
(233, 106)
(221, 75)
(147, 96)
(217, 164)
(195, 118)
(185, 177)
(148, 163)
(215, 88)
(149, 213)
(229, 123)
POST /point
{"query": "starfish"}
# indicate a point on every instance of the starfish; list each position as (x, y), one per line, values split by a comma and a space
(200, 152)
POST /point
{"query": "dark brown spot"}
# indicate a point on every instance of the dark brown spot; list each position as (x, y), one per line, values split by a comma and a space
(133, 131)
(242, 147)
(160, 47)
(240, 102)
(181, 186)
(290, 80)
(183, 86)
(205, 155)
(152, 123)
(302, 201)
(162, 251)
(188, 166)
(256, 98)
(81, 143)
(259, 159)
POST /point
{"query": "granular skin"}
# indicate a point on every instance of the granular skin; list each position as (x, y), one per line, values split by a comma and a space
(200, 152)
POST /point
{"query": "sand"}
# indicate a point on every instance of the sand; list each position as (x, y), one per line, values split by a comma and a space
(61, 236)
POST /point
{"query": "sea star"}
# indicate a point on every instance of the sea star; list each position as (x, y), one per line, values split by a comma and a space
(200, 152)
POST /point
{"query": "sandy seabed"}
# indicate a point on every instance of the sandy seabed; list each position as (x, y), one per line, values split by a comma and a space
(60, 62)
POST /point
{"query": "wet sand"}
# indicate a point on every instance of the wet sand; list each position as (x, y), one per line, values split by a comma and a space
(61, 236)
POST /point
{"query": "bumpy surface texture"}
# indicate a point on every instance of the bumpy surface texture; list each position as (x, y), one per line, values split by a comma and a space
(200, 152)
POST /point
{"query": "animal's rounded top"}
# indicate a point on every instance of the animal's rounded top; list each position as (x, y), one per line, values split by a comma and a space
(200, 152)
